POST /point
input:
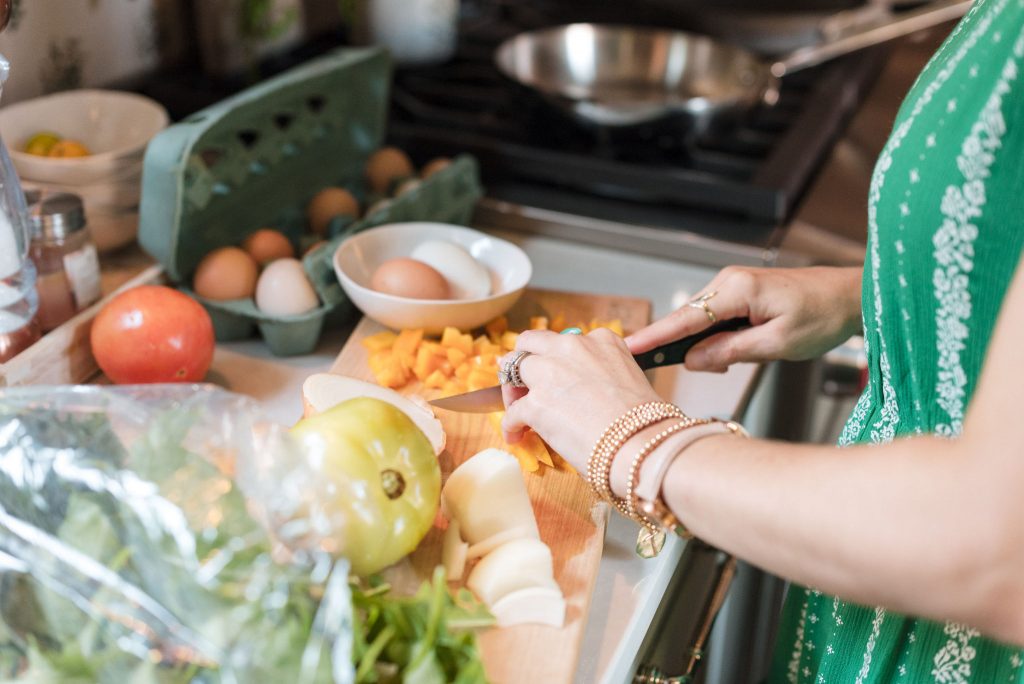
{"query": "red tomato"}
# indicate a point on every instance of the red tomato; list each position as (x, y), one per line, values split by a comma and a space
(153, 334)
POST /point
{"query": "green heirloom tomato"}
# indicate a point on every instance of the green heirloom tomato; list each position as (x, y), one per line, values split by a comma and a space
(384, 482)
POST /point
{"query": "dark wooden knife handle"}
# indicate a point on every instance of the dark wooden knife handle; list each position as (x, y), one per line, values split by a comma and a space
(675, 352)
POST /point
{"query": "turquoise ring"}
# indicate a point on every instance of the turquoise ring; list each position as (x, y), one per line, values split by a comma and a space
(571, 331)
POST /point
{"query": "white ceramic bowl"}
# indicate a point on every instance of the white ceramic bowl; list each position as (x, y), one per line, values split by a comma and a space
(115, 126)
(359, 256)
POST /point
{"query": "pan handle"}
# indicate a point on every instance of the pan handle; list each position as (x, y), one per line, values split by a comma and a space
(933, 14)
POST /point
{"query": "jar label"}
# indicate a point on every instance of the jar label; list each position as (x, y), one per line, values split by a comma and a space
(83, 270)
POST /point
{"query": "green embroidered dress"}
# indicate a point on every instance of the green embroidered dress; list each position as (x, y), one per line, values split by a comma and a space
(945, 230)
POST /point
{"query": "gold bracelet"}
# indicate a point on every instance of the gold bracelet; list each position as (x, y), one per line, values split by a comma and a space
(632, 502)
(655, 511)
(599, 466)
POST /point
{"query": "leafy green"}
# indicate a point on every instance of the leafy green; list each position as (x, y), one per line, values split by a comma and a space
(422, 639)
(143, 564)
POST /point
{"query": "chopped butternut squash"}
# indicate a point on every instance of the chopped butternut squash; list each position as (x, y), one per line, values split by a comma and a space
(458, 362)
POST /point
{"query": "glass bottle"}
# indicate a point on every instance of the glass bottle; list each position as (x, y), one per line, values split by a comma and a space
(18, 300)
(65, 258)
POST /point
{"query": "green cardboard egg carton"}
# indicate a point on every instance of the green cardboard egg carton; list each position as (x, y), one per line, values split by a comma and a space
(255, 160)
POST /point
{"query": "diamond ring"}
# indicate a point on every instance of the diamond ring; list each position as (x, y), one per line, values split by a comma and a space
(509, 373)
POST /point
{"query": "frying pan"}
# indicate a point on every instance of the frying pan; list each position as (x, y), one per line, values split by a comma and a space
(617, 76)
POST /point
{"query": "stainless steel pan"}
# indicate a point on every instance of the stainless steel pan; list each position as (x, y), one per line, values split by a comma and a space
(622, 76)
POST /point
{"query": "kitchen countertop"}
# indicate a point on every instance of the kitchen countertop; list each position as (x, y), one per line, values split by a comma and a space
(628, 589)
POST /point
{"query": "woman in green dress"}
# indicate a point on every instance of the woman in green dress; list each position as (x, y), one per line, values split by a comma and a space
(906, 547)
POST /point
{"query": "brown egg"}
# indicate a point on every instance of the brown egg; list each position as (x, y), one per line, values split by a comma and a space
(327, 204)
(226, 273)
(433, 166)
(385, 166)
(267, 244)
(409, 278)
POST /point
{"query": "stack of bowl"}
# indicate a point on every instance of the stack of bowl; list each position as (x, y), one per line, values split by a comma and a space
(115, 127)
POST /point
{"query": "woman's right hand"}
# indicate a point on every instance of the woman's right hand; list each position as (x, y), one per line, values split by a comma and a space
(795, 313)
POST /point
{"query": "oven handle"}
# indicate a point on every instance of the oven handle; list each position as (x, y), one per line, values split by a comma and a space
(649, 674)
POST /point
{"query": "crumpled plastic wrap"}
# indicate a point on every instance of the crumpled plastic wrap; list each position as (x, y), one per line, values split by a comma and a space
(130, 553)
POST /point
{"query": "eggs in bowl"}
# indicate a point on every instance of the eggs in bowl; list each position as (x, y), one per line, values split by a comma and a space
(358, 258)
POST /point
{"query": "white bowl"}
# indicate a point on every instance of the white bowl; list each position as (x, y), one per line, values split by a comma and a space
(115, 126)
(359, 256)
(123, 193)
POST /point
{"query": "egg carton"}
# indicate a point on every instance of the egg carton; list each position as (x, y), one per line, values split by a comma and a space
(256, 159)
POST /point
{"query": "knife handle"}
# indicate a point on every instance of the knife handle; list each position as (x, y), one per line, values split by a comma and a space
(675, 352)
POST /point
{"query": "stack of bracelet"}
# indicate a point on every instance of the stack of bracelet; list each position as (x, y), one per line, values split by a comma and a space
(632, 502)
(653, 515)
(599, 467)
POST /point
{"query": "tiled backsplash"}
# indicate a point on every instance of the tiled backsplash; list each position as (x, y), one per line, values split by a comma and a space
(59, 44)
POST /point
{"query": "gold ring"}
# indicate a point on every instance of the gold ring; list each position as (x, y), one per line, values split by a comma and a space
(702, 303)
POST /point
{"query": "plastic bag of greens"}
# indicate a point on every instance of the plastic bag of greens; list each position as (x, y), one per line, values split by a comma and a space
(128, 552)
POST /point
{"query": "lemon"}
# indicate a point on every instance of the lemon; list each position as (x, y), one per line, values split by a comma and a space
(41, 143)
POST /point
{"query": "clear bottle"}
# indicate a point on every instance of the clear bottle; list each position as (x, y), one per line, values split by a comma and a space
(18, 300)
(65, 258)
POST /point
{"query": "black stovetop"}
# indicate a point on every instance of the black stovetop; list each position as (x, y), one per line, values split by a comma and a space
(740, 182)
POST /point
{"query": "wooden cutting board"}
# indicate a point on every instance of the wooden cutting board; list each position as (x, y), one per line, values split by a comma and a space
(572, 522)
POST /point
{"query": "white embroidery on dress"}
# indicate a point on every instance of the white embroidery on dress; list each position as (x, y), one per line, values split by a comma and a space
(885, 428)
(961, 206)
(953, 661)
(793, 669)
(855, 423)
(876, 629)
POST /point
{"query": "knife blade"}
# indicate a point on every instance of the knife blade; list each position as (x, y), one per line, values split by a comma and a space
(488, 400)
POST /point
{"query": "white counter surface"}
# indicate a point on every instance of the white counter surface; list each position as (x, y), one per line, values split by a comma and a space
(628, 588)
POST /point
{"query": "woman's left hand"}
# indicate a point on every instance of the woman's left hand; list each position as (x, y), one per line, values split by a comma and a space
(576, 386)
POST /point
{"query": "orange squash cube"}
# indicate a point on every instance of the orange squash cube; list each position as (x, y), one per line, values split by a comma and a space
(496, 327)
(508, 340)
(436, 380)
(479, 379)
(426, 363)
(456, 356)
(380, 341)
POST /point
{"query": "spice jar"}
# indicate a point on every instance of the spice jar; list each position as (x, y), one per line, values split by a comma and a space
(65, 257)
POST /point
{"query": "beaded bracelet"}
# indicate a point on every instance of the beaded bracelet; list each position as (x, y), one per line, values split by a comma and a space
(599, 466)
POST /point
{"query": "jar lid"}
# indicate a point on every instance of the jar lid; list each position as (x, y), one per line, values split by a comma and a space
(56, 216)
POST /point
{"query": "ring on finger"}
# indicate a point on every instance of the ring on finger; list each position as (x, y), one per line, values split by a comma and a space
(702, 303)
(509, 373)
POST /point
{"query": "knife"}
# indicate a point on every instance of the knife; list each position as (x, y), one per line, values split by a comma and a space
(488, 399)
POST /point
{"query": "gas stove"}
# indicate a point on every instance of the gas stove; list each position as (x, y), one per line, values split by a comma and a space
(657, 185)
